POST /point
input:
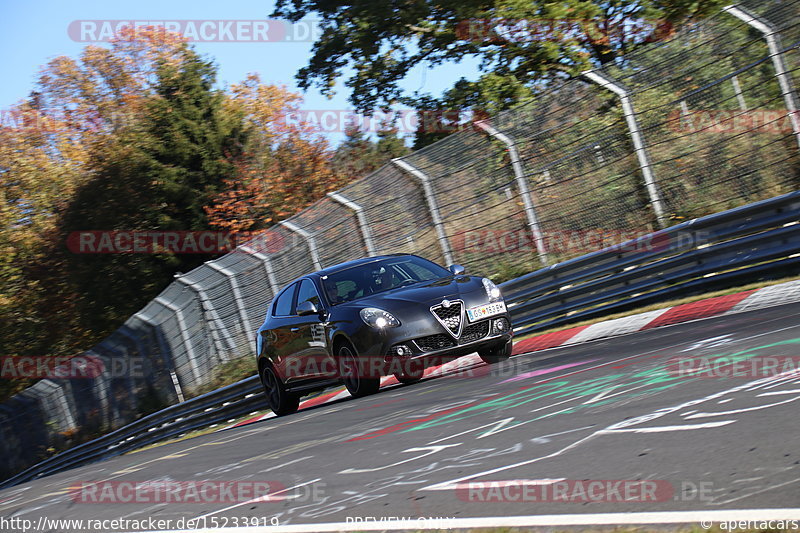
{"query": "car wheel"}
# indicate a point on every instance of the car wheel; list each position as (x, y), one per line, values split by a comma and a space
(412, 371)
(281, 401)
(497, 353)
(357, 385)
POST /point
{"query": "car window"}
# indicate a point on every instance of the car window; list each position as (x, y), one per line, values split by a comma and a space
(418, 271)
(283, 305)
(372, 278)
(308, 293)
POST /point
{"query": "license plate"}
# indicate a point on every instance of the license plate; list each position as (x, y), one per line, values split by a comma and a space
(482, 311)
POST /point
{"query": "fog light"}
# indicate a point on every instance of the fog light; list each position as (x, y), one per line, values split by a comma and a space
(401, 350)
(500, 325)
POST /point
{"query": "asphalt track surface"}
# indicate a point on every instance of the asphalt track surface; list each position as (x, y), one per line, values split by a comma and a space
(612, 409)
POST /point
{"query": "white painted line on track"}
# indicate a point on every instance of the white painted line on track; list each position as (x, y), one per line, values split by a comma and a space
(664, 429)
(703, 517)
(778, 392)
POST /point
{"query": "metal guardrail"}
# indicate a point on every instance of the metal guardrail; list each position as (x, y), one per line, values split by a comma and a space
(739, 244)
(222, 404)
(757, 239)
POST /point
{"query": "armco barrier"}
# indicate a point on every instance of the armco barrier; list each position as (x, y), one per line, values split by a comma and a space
(762, 238)
(214, 407)
(736, 245)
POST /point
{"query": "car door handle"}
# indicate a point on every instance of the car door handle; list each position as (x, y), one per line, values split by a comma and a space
(294, 330)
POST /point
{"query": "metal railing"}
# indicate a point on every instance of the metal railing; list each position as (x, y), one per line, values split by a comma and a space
(740, 245)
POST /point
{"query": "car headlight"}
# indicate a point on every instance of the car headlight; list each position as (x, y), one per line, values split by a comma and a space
(378, 318)
(492, 290)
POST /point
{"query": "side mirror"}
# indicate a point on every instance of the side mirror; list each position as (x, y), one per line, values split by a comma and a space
(307, 308)
(457, 270)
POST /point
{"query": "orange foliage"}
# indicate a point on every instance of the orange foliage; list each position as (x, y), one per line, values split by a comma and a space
(286, 166)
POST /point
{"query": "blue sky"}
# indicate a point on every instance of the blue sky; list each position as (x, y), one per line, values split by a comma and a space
(32, 32)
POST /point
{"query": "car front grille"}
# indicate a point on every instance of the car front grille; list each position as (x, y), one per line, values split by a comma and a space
(475, 331)
(450, 316)
(434, 342)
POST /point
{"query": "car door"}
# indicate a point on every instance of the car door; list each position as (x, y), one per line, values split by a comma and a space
(285, 333)
(313, 357)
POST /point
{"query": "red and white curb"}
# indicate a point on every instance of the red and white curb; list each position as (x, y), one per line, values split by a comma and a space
(783, 293)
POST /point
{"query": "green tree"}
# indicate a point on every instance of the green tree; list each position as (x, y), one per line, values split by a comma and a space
(522, 46)
(358, 156)
(158, 173)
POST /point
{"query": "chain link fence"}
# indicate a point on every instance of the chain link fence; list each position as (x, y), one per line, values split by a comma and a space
(698, 123)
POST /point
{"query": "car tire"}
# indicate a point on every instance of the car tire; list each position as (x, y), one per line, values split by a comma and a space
(497, 353)
(356, 384)
(281, 401)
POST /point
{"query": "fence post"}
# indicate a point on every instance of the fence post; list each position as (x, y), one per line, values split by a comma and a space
(638, 140)
(184, 335)
(312, 243)
(273, 283)
(205, 305)
(522, 185)
(362, 220)
(237, 297)
(772, 37)
(433, 207)
(168, 361)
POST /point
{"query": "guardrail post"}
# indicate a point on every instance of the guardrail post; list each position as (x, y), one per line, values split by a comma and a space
(184, 335)
(237, 296)
(273, 283)
(362, 220)
(772, 37)
(522, 185)
(312, 243)
(638, 140)
(167, 361)
(433, 207)
(205, 305)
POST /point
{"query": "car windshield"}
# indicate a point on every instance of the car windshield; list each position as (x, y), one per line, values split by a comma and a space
(372, 278)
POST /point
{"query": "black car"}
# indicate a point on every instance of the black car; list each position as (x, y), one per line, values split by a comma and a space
(386, 315)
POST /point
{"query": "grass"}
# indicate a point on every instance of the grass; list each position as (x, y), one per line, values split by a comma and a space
(227, 373)
(662, 305)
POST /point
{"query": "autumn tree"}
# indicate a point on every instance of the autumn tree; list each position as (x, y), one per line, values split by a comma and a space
(131, 136)
(40, 168)
(284, 167)
(157, 173)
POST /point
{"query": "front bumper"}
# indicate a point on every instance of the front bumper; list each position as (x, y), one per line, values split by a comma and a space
(430, 344)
